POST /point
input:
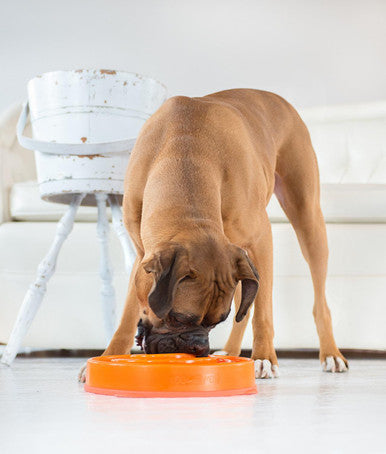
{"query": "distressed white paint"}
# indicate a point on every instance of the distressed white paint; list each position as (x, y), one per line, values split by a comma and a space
(127, 246)
(84, 125)
(107, 290)
(37, 290)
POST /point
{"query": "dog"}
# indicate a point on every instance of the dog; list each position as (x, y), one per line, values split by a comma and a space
(197, 185)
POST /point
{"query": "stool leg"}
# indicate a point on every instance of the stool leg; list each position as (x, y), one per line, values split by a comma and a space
(107, 292)
(127, 246)
(37, 290)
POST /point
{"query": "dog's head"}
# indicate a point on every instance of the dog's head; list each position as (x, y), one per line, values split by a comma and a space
(186, 290)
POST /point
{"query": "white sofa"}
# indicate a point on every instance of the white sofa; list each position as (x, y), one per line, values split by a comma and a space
(350, 142)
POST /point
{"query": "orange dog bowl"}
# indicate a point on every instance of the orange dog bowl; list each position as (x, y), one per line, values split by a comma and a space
(170, 375)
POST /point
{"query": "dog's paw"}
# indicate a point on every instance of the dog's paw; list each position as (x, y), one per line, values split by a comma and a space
(82, 374)
(335, 364)
(265, 369)
(220, 353)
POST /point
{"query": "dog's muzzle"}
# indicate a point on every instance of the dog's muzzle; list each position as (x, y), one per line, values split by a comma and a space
(194, 341)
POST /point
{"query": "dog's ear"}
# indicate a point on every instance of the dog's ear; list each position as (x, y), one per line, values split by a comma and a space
(168, 267)
(247, 274)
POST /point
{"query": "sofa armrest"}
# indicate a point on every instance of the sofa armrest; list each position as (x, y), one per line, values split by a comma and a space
(4, 196)
(16, 163)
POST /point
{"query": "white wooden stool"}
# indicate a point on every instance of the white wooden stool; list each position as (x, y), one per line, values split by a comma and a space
(80, 122)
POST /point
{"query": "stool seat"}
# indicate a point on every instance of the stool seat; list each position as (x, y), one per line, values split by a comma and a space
(85, 123)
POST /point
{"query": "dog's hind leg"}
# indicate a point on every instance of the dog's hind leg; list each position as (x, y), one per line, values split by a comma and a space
(297, 189)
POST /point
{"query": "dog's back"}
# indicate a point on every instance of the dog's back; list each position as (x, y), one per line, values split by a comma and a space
(232, 122)
(241, 136)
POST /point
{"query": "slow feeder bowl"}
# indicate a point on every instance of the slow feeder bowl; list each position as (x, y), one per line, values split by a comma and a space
(170, 375)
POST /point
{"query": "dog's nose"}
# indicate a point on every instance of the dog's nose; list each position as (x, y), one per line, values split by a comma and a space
(198, 350)
(194, 343)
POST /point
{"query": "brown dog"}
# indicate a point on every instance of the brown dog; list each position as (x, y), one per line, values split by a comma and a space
(200, 177)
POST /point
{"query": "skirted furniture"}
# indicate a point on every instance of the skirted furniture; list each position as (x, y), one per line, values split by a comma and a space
(350, 142)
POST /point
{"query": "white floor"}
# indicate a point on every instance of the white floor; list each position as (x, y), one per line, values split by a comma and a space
(44, 410)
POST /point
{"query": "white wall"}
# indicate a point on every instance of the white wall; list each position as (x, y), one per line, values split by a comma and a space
(311, 52)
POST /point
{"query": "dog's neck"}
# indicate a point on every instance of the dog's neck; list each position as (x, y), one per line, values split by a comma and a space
(185, 203)
(164, 227)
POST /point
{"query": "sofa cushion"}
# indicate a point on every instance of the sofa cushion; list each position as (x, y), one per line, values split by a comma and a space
(349, 141)
(71, 314)
(340, 203)
(345, 203)
(26, 205)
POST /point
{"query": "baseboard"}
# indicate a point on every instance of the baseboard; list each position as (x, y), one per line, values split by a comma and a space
(311, 353)
(350, 353)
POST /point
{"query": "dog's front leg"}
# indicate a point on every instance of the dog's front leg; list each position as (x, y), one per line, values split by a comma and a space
(263, 352)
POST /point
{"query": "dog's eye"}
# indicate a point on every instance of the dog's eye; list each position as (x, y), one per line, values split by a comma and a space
(189, 277)
(186, 278)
